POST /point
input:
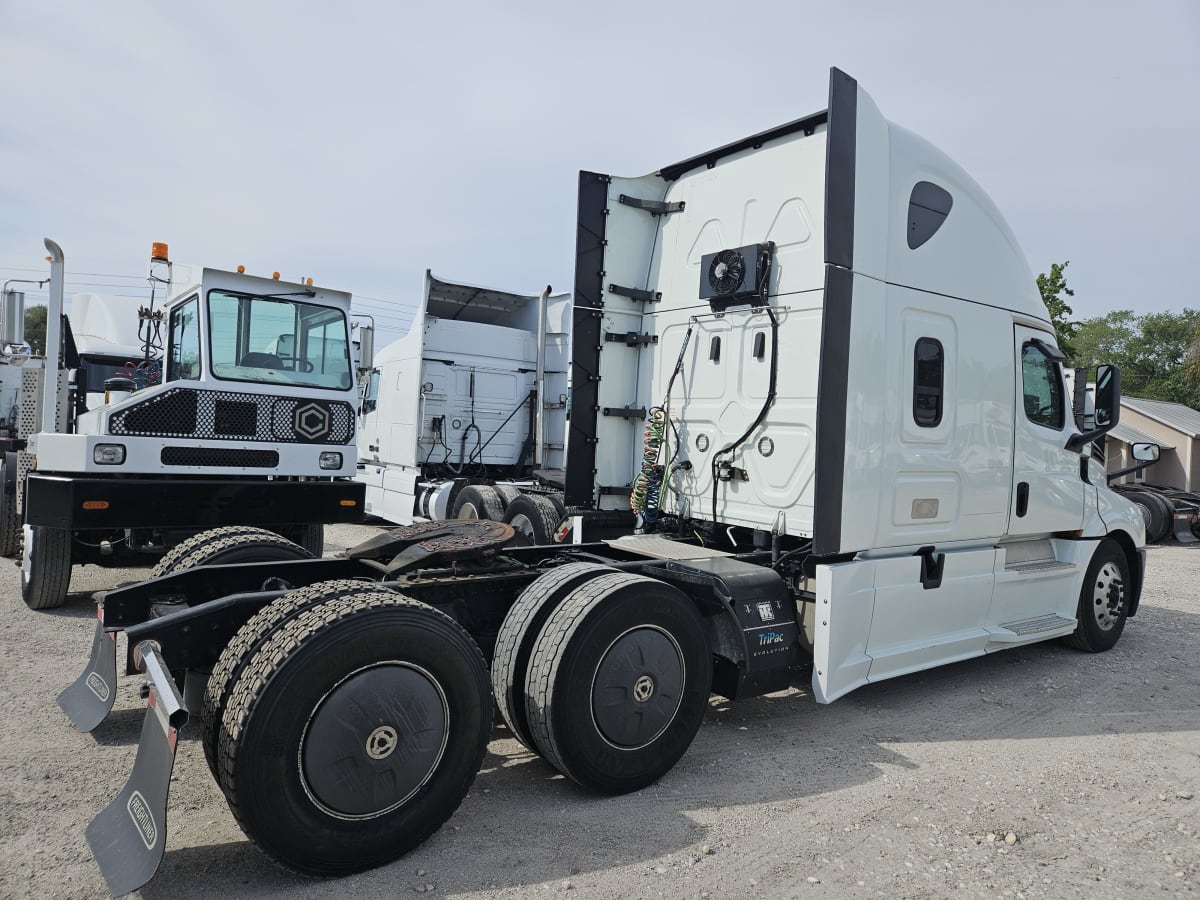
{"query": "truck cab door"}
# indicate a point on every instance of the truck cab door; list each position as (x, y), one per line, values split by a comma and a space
(1048, 492)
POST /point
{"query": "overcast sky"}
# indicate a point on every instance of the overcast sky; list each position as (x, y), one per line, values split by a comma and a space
(360, 143)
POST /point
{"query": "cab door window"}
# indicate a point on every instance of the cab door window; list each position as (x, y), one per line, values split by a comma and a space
(1042, 385)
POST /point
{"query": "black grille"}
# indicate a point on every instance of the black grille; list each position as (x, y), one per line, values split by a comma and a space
(235, 417)
(173, 414)
(219, 456)
(225, 415)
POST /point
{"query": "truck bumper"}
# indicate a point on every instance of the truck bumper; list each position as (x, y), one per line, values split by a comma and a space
(61, 501)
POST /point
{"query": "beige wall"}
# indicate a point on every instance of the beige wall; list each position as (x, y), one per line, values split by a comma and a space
(1178, 468)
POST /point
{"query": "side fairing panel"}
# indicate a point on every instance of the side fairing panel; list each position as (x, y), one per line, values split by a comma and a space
(615, 243)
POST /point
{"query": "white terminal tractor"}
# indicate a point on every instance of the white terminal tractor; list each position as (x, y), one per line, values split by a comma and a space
(239, 411)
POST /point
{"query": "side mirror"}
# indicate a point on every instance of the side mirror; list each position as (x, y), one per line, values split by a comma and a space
(1107, 408)
(1108, 396)
(1144, 451)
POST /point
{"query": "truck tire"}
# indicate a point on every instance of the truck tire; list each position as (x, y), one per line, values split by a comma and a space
(45, 566)
(1166, 515)
(1103, 600)
(167, 562)
(618, 682)
(1138, 499)
(1157, 524)
(478, 501)
(392, 691)
(519, 632)
(311, 537)
(535, 519)
(10, 522)
(232, 544)
(507, 493)
(246, 641)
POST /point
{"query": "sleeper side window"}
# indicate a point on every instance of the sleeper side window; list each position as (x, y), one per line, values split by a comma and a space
(928, 379)
(1042, 385)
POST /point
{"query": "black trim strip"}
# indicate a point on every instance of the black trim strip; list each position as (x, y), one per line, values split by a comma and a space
(586, 339)
(833, 378)
(808, 125)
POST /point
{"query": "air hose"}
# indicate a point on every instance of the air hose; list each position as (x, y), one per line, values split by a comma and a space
(648, 484)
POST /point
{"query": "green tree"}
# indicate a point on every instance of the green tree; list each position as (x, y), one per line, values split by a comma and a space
(35, 328)
(1154, 352)
(1053, 287)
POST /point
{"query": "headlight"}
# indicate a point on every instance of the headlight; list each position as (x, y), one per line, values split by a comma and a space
(108, 454)
(331, 460)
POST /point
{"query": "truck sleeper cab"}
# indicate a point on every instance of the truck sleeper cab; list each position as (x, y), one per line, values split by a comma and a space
(474, 396)
(814, 364)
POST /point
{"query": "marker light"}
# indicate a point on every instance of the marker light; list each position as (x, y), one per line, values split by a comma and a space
(308, 282)
(108, 454)
(347, 503)
(95, 504)
(241, 270)
(275, 275)
(158, 252)
(330, 460)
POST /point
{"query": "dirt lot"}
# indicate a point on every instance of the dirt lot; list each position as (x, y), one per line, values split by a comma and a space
(1038, 772)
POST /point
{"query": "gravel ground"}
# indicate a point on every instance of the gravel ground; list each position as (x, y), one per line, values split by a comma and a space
(1036, 772)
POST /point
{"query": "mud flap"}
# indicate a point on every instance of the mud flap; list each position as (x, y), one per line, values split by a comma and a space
(1182, 528)
(90, 699)
(128, 837)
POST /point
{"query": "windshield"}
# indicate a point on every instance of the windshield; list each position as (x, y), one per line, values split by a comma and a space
(278, 340)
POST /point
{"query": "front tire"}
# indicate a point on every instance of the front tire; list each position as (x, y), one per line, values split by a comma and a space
(45, 566)
(618, 682)
(354, 732)
(231, 544)
(1103, 600)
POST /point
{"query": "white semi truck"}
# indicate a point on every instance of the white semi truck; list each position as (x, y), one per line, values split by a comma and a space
(213, 428)
(857, 460)
(465, 416)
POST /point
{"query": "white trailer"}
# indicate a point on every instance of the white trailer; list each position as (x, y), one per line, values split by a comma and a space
(855, 459)
(467, 412)
(217, 427)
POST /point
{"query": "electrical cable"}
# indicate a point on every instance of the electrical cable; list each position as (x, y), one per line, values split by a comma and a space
(762, 413)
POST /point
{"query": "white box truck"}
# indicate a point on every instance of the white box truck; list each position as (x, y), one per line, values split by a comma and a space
(857, 460)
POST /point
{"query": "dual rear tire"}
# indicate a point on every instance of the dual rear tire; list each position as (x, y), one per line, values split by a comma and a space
(606, 674)
(354, 721)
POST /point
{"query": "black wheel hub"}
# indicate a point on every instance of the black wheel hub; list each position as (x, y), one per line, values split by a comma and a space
(374, 740)
(638, 687)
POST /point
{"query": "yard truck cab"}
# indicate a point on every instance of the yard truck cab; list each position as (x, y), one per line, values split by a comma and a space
(812, 377)
(241, 412)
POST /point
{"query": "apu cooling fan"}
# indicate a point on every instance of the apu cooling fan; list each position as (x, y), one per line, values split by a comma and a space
(737, 275)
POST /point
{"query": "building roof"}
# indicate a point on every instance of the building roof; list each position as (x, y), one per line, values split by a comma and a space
(1127, 434)
(1173, 415)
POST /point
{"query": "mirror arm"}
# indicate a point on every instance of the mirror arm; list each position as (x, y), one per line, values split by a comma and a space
(1079, 440)
(1128, 470)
